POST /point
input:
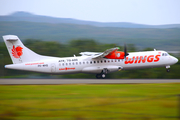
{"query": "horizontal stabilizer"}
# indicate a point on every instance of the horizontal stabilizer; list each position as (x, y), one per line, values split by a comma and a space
(10, 38)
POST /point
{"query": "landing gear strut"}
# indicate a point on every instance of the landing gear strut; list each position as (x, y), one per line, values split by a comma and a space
(168, 68)
(105, 71)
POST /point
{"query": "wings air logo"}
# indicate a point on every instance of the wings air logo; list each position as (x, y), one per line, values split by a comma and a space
(17, 52)
(143, 59)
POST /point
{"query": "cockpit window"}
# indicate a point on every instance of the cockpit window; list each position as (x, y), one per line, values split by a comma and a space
(165, 54)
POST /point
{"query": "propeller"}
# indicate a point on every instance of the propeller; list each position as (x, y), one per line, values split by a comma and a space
(125, 51)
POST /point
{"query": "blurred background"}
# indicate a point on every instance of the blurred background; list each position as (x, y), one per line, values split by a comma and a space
(66, 28)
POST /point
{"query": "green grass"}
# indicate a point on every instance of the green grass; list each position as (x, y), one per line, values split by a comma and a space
(79, 102)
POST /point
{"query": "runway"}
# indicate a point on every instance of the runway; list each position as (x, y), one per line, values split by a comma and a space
(83, 81)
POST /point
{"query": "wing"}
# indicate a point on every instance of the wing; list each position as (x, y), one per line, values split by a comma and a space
(89, 53)
(105, 53)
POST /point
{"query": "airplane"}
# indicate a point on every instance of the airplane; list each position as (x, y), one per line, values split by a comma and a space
(99, 63)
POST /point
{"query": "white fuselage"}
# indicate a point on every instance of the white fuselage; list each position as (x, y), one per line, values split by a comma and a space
(100, 64)
(86, 64)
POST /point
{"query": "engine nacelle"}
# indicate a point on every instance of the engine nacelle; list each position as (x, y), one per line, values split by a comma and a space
(99, 69)
(115, 55)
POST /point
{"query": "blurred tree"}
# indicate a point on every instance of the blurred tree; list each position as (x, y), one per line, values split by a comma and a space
(51, 48)
(148, 49)
(83, 45)
(131, 48)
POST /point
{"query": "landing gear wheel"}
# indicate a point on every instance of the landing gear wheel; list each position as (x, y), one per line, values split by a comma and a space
(98, 76)
(103, 76)
(168, 68)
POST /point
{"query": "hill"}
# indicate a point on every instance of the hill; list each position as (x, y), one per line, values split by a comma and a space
(28, 17)
(167, 39)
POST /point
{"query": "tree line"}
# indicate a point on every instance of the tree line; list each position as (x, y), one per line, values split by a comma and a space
(74, 47)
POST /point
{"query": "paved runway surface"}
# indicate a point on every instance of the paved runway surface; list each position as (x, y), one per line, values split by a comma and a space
(82, 81)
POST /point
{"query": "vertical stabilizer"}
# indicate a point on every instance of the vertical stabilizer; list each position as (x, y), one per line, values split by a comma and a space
(18, 52)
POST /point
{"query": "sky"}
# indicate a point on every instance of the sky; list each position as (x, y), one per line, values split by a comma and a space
(150, 12)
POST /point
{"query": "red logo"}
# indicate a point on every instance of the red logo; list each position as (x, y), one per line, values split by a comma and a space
(139, 59)
(17, 52)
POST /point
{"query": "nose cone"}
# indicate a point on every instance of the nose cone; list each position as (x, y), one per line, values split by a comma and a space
(175, 60)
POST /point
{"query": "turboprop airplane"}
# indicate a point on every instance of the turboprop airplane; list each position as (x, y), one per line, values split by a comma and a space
(99, 63)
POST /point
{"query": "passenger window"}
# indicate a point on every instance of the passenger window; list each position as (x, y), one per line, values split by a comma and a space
(105, 61)
(94, 61)
(91, 62)
(101, 61)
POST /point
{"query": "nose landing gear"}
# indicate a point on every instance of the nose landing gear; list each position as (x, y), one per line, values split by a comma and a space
(168, 68)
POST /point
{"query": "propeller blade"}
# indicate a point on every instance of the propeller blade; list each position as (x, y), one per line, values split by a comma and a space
(125, 51)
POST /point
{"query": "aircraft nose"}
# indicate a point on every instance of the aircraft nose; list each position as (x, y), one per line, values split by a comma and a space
(175, 60)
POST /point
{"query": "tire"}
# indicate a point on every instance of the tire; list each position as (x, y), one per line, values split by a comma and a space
(103, 76)
(98, 76)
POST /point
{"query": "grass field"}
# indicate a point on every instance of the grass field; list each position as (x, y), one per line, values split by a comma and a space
(81, 102)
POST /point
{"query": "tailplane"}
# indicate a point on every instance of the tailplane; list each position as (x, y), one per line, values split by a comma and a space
(18, 52)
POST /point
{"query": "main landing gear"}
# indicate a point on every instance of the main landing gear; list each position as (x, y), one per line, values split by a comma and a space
(102, 75)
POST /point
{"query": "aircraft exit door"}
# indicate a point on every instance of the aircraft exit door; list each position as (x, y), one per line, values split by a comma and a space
(53, 67)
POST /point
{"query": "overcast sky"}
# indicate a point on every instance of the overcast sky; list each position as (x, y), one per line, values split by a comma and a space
(152, 12)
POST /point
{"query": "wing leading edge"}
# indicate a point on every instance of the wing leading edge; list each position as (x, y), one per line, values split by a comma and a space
(96, 55)
(105, 53)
